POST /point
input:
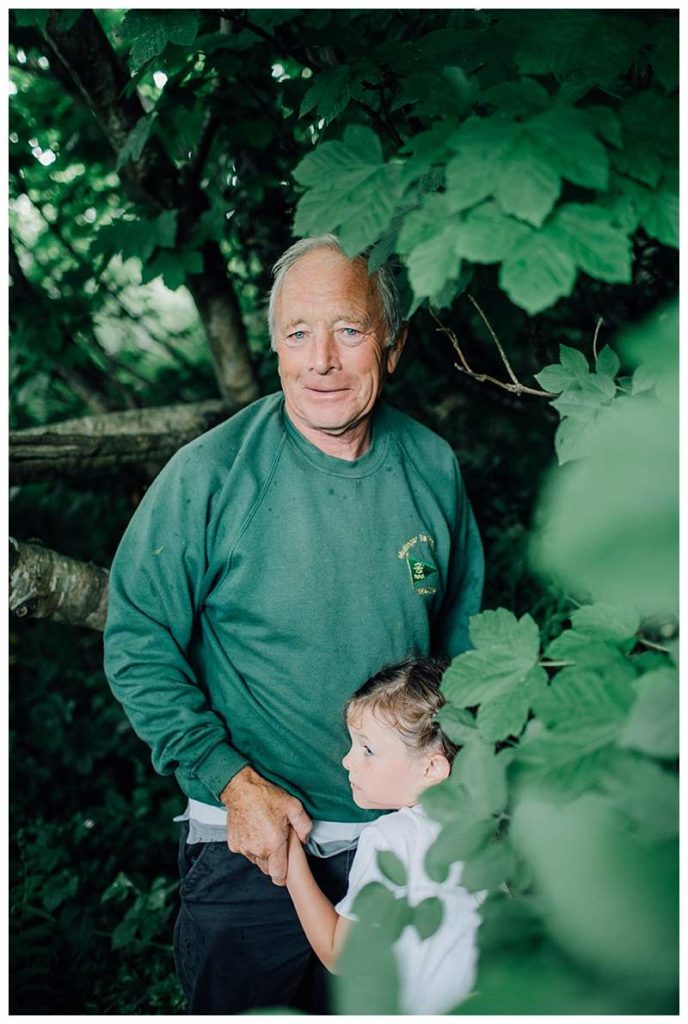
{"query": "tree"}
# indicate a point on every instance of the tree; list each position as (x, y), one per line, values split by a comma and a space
(522, 172)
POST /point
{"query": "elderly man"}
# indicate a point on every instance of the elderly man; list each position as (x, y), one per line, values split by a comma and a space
(275, 564)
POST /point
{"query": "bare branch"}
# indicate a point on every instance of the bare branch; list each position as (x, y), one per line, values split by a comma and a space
(495, 339)
(515, 388)
(594, 340)
(47, 585)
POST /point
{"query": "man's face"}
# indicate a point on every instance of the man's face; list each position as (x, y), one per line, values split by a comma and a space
(330, 340)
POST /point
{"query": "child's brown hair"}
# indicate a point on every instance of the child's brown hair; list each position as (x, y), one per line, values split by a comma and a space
(407, 697)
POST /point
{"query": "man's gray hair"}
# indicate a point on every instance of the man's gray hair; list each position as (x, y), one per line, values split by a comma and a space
(383, 277)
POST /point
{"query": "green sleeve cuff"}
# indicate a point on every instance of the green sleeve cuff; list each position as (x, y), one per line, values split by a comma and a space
(218, 767)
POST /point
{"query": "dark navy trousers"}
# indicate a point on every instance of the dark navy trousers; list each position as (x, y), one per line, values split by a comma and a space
(238, 943)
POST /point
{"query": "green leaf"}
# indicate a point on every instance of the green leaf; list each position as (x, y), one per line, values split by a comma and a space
(456, 842)
(607, 362)
(482, 775)
(574, 439)
(432, 262)
(660, 217)
(643, 380)
(604, 123)
(126, 931)
(427, 916)
(606, 622)
(135, 141)
(118, 890)
(583, 696)
(174, 266)
(652, 726)
(391, 867)
(423, 150)
(640, 160)
(569, 145)
(623, 548)
(516, 98)
(506, 651)
(458, 724)
(502, 633)
(150, 31)
(598, 45)
(59, 888)
(565, 762)
(28, 18)
(341, 165)
(473, 173)
(528, 183)
(579, 647)
(572, 367)
(423, 222)
(373, 901)
(349, 189)
(596, 245)
(506, 714)
(647, 794)
(489, 867)
(329, 94)
(585, 397)
(596, 882)
(537, 272)
(486, 235)
(664, 56)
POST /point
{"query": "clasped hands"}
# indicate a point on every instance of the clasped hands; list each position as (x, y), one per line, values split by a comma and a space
(260, 816)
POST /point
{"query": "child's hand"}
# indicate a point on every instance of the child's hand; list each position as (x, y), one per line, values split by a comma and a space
(296, 857)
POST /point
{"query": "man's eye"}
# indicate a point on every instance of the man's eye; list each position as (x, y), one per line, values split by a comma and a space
(350, 332)
(297, 335)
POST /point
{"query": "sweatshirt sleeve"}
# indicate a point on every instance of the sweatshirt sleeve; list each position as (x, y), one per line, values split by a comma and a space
(156, 586)
(465, 578)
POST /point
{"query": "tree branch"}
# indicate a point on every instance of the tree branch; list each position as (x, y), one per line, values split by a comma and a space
(77, 447)
(47, 585)
(515, 387)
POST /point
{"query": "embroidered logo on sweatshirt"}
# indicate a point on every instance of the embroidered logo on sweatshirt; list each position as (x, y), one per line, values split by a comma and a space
(418, 553)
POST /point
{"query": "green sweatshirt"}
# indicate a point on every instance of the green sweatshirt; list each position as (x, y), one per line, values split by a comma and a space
(261, 581)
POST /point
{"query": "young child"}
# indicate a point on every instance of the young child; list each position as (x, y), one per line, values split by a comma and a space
(397, 751)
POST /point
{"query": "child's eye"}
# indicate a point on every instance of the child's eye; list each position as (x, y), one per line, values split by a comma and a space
(367, 751)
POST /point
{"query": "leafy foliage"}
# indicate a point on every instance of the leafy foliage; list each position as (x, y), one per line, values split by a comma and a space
(530, 157)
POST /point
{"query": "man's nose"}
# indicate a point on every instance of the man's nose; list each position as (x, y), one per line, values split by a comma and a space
(324, 353)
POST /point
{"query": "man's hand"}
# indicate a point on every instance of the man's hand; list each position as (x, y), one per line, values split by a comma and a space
(258, 821)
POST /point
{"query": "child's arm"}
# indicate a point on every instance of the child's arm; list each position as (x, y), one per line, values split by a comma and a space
(324, 928)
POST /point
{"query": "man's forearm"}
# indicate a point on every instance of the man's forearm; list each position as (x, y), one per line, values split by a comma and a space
(319, 920)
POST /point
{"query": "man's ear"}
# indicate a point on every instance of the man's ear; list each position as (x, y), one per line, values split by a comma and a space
(394, 354)
(437, 769)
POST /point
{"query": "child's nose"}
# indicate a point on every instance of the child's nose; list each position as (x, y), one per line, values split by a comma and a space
(345, 760)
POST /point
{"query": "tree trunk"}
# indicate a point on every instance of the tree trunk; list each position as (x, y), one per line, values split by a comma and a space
(74, 448)
(89, 66)
(219, 310)
(47, 585)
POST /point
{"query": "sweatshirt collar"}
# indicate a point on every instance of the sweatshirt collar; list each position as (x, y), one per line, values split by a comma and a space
(363, 466)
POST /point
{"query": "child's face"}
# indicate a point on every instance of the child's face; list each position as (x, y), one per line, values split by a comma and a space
(383, 772)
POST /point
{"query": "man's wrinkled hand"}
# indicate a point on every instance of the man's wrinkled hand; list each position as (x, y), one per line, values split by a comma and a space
(258, 821)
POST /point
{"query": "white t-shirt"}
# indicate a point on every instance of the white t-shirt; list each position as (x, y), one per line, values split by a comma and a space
(437, 972)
